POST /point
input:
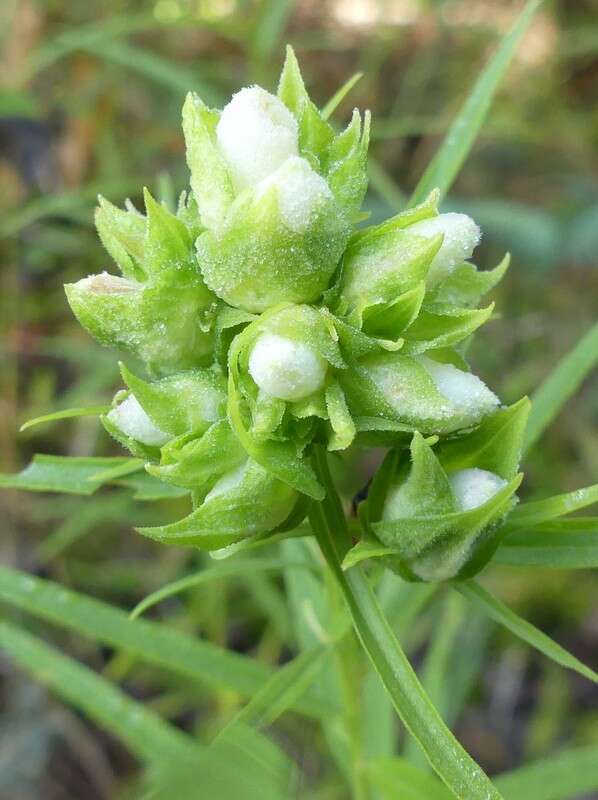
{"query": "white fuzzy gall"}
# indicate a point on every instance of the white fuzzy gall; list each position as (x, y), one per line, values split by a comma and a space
(256, 133)
(467, 394)
(130, 418)
(461, 237)
(474, 487)
(300, 190)
(286, 369)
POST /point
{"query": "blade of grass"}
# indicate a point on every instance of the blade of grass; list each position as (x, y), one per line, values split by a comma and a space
(224, 570)
(384, 185)
(562, 776)
(437, 666)
(539, 511)
(62, 204)
(67, 413)
(399, 779)
(547, 550)
(281, 691)
(151, 642)
(145, 734)
(154, 67)
(270, 24)
(338, 97)
(452, 763)
(500, 613)
(561, 384)
(446, 163)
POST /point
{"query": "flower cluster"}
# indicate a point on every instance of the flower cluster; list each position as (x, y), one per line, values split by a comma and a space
(269, 318)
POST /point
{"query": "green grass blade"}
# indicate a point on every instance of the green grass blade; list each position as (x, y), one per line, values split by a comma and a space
(437, 666)
(66, 413)
(399, 779)
(384, 185)
(225, 570)
(282, 691)
(270, 24)
(554, 547)
(446, 163)
(144, 733)
(561, 384)
(560, 777)
(539, 511)
(63, 204)
(338, 97)
(453, 764)
(500, 613)
(154, 67)
(151, 642)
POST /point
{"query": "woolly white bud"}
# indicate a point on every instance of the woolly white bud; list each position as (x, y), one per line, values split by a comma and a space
(468, 395)
(461, 237)
(286, 369)
(130, 418)
(474, 487)
(300, 190)
(256, 133)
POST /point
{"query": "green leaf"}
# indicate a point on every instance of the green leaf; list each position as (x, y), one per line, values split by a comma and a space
(459, 140)
(454, 765)
(497, 611)
(215, 573)
(154, 643)
(437, 665)
(560, 777)
(61, 474)
(158, 69)
(338, 97)
(144, 733)
(566, 544)
(282, 691)
(561, 384)
(441, 325)
(399, 779)
(85, 475)
(466, 285)
(66, 413)
(540, 511)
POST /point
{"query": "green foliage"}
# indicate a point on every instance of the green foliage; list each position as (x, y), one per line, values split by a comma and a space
(358, 297)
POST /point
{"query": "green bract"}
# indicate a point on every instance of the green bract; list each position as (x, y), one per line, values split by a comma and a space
(434, 512)
(271, 323)
(160, 309)
(276, 190)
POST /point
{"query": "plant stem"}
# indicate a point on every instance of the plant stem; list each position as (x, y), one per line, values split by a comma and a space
(453, 764)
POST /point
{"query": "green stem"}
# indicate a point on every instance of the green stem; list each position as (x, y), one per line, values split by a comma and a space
(453, 764)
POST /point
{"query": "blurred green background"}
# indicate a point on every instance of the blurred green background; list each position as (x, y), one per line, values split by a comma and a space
(90, 99)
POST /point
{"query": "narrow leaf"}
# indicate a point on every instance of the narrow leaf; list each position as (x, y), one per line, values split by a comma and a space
(67, 413)
(553, 546)
(338, 97)
(443, 169)
(539, 511)
(152, 642)
(144, 733)
(225, 570)
(559, 777)
(561, 384)
(500, 613)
